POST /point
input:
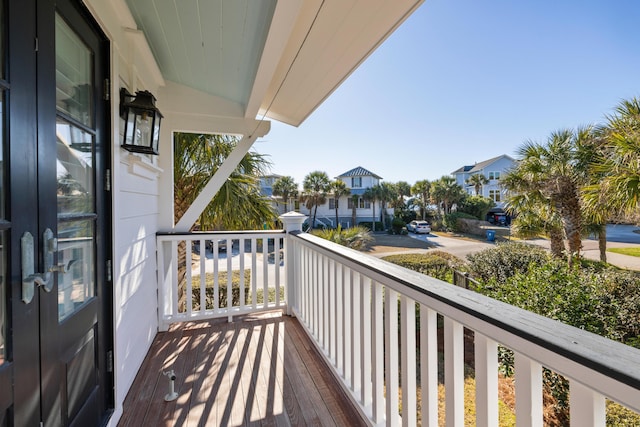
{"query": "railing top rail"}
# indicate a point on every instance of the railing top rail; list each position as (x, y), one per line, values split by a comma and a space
(214, 234)
(539, 337)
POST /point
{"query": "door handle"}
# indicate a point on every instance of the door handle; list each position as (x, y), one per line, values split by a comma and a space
(29, 277)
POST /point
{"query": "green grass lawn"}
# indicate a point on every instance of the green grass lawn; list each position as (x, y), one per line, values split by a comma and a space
(626, 251)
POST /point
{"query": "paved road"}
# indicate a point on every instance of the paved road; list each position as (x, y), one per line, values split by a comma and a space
(618, 236)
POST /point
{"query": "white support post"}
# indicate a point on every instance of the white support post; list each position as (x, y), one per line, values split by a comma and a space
(528, 376)
(291, 221)
(587, 407)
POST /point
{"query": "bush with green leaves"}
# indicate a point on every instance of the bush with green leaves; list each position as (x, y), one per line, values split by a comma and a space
(436, 264)
(450, 220)
(369, 225)
(505, 260)
(477, 206)
(397, 225)
(358, 238)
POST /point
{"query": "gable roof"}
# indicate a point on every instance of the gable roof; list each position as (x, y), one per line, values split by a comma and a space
(358, 171)
(482, 165)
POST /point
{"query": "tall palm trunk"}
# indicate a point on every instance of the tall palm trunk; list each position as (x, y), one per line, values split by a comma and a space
(354, 206)
(557, 243)
(373, 223)
(602, 243)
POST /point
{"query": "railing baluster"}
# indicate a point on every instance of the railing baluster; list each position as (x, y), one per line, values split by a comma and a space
(486, 361)
(365, 339)
(408, 353)
(241, 244)
(324, 309)
(339, 319)
(265, 272)
(276, 265)
(378, 354)
(528, 379)
(188, 277)
(229, 275)
(216, 278)
(174, 274)
(203, 276)
(346, 326)
(356, 368)
(391, 360)
(331, 284)
(254, 273)
(587, 408)
(454, 372)
(429, 366)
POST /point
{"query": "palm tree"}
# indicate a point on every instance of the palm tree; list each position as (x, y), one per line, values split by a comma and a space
(553, 172)
(616, 165)
(386, 193)
(286, 188)
(446, 191)
(315, 186)
(402, 189)
(354, 205)
(422, 189)
(371, 194)
(238, 205)
(477, 180)
(338, 188)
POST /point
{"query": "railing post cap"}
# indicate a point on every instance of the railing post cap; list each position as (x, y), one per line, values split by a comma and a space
(292, 221)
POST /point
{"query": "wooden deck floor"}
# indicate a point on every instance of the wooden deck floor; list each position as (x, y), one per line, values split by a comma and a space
(260, 370)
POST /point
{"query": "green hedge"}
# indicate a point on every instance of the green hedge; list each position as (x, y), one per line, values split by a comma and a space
(436, 264)
(451, 220)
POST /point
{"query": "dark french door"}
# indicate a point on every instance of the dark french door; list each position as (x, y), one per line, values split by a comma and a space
(55, 329)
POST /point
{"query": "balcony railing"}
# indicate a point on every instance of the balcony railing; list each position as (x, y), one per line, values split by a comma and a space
(386, 354)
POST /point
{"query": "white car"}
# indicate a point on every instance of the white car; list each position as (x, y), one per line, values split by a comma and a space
(419, 227)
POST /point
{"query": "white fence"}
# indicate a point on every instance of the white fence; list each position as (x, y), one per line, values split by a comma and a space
(208, 275)
(386, 355)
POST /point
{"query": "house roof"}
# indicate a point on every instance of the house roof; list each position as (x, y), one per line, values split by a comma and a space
(358, 171)
(482, 165)
(273, 58)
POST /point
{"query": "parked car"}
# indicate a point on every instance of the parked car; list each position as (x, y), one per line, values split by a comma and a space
(419, 227)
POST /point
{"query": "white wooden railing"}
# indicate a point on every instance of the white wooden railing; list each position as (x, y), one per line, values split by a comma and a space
(341, 298)
(256, 258)
(386, 355)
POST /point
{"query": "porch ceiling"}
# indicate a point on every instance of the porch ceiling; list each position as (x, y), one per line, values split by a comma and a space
(280, 58)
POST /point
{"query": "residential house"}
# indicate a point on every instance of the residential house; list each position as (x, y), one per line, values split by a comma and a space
(357, 180)
(492, 169)
(92, 256)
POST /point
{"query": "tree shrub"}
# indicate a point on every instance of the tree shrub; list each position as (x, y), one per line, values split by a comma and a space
(505, 260)
(369, 225)
(477, 206)
(397, 225)
(358, 238)
(436, 264)
(451, 220)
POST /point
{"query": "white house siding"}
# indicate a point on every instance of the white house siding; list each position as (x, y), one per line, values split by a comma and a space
(135, 198)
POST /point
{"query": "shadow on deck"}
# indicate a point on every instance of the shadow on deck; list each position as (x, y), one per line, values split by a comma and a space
(258, 370)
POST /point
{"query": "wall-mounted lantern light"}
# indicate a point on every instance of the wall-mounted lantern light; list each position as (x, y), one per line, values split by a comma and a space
(142, 121)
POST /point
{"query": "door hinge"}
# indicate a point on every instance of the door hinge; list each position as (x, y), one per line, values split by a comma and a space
(110, 361)
(107, 89)
(107, 180)
(109, 275)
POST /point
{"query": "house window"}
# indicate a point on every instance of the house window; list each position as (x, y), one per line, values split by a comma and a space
(356, 182)
(333, 203)
(494, 195)
(494, 175)
(360, 204)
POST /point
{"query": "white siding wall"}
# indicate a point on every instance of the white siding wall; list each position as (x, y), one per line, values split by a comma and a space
(135, 190)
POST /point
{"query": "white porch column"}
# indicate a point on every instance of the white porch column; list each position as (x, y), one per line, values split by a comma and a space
(292, 221)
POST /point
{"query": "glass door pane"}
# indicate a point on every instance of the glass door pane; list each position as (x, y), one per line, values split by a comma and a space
(75, 137)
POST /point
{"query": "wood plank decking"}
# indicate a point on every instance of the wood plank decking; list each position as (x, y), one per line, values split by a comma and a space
(260, 370)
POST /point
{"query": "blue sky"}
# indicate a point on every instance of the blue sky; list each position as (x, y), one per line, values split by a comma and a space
(462, 81)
